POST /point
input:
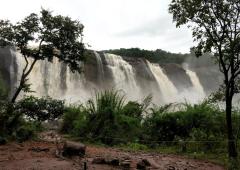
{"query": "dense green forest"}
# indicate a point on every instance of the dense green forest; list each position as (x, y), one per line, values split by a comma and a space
(156, 56)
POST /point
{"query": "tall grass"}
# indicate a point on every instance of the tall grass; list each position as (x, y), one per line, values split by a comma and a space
(109, 99)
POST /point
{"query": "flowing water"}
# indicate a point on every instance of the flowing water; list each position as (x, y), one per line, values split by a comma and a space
(167, 88)
(136, 79)
(123, 75)
(196, 84)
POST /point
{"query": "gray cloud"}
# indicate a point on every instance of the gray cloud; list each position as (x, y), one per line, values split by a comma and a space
(113, 23)
(156, 27)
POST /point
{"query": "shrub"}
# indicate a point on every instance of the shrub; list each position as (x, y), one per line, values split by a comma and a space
(204, 118)
(14, 126)
(104, 119)
(40, 109)
(9, 119)
(107, 101)
(24, 133)
(74, 118)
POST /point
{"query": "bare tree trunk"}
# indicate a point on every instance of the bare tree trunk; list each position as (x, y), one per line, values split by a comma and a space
(23, 79)
(232, 151)
(19, 89)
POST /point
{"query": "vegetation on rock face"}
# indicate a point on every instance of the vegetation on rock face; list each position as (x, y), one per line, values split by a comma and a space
(55, 36)
(157, 56)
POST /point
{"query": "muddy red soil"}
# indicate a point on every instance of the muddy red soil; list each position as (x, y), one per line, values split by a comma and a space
(40, 155)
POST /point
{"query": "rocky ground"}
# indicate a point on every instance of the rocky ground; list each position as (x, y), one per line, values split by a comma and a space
(41, 155)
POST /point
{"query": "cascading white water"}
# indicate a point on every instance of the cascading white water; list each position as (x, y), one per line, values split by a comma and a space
(168, 90)
(197, 87)
(76, 90)
(46, 80)
(124, 76)
(56, 80)
(99, 65)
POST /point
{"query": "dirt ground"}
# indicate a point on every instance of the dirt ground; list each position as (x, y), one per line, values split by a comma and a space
(40, 155)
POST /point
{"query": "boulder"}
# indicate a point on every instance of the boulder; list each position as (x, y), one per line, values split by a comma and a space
(73, 149)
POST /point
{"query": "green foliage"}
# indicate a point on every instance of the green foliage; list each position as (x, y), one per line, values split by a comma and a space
(74, 118)
(133, 109)
(157, 56)
(109, 120)
(215, 28)
(197, 130)
(107, 101)
(14, 126)
(104, 119)
(202, 118)
(9, 120)
(24, 133)
(136, 109)
(234, 164)
(135, 147)
(40, 109)
(55, 36)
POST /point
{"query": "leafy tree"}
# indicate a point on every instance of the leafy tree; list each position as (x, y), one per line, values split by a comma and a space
(40, 109)
(216, 27)
(55, 36)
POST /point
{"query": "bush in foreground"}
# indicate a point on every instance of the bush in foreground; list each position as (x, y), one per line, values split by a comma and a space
(110, 120)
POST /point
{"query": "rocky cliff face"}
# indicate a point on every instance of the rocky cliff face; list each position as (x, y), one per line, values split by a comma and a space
(137, 78)
(8, 67)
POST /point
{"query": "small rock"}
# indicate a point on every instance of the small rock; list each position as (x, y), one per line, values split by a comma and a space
(71, 148)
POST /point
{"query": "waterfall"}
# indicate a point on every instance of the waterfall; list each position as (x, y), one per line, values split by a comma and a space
(123, 75)
(136, 79)
(168, 90)
(47, 79)
(197, 87)
(99, 66)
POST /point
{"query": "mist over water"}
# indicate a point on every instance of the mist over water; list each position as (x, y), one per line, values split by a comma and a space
(135, 78)
(168, 90)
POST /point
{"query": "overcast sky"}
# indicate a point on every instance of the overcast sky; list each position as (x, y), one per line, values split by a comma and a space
(111, 24)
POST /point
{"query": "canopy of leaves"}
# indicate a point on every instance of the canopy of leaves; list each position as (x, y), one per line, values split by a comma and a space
(157, 56)
(40, 109)
(57, 36)
(216, 28)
